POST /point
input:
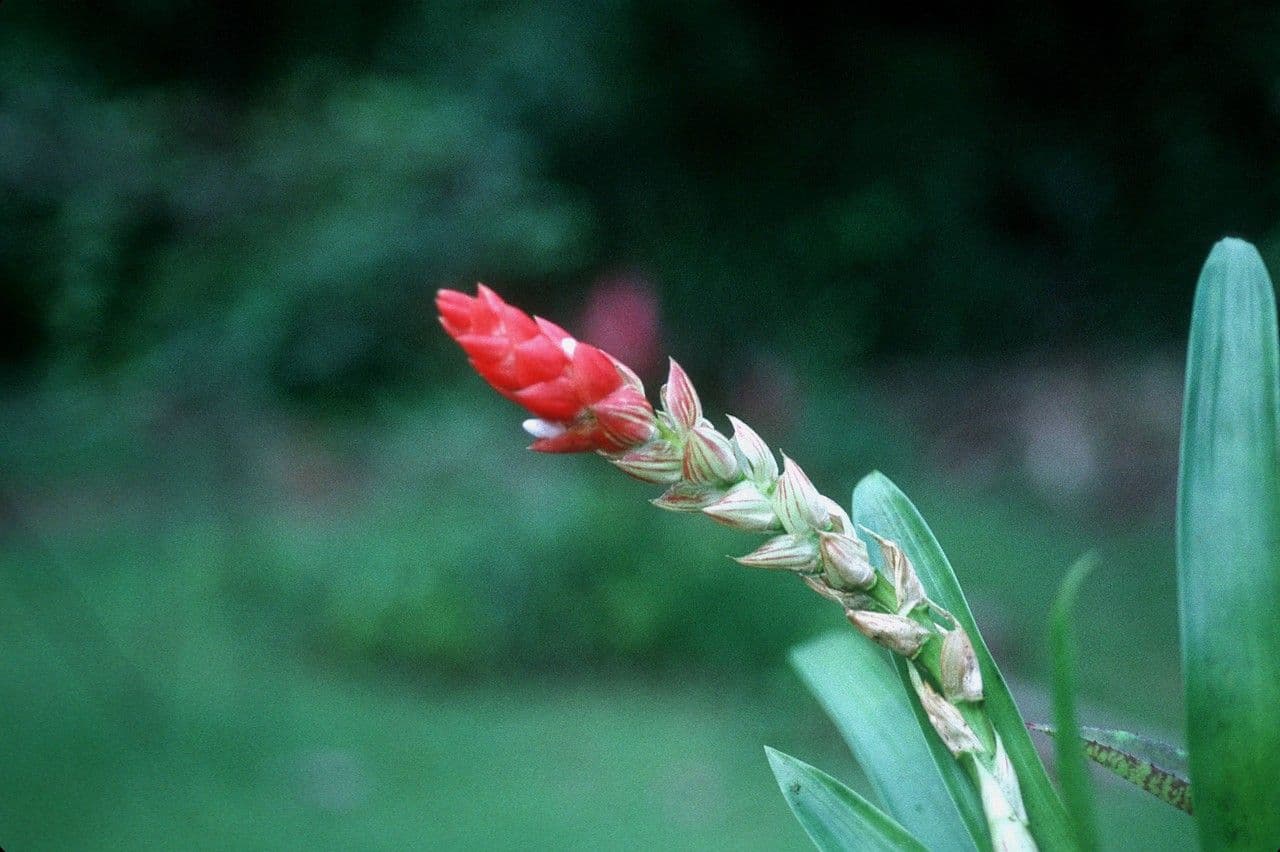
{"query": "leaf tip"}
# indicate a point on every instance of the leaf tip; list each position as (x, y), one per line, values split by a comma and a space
(778, 762)
(874, 482)
(1233, 269)
(876, 477)
(1234, 250)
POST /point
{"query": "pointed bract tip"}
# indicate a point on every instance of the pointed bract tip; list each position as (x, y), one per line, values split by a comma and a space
(798, 503)
(783, 552)
(680, 397)
(554, 332)
(744, 507)
(757, 459)
(840, 520)
(454, 311)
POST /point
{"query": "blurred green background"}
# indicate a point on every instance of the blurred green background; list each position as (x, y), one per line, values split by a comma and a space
(277, 571)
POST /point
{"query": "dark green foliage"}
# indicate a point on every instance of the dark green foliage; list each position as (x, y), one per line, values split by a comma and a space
(277, 187)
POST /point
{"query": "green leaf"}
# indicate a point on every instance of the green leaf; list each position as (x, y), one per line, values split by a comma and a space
(880, 506)
(858, 686)
(835, 817)
(1167, 755)
(1229, 553)
(1073, 772)
(1158, 768)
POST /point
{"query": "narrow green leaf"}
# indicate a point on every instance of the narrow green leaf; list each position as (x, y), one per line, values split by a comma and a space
(836, 818)
(1158, 768)
(1073, 772)
(857, 684)
(880, 506)
(1167, 755)
(1229, 552)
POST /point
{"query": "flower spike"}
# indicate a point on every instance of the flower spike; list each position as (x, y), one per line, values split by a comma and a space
(583, 399)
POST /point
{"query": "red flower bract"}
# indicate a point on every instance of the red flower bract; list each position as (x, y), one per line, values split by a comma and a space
(584, 399)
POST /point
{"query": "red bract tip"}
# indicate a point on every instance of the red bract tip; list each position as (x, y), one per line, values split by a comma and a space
(455, 311)
(583, 398)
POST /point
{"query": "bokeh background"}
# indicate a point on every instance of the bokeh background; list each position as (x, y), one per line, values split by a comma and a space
(277, 570)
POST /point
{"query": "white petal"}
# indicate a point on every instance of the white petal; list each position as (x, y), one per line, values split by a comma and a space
(539, 428)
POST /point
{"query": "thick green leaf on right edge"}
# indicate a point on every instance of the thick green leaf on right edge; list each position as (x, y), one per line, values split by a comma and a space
(1229, 553)
(880, 506)
(1073, 771)
(857, 684)
(836, 818)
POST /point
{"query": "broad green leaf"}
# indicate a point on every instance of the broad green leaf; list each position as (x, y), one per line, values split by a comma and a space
(1229, 553)
(880, 506)
(858, 686)
(1073, 772)
(1158, 768)
(836, 818)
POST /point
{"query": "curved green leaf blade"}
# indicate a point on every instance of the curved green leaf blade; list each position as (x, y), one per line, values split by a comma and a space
(1156, 767)
(880, 506)
(858, 686)
(1229, 552)
(836, 818)
(1073, 772)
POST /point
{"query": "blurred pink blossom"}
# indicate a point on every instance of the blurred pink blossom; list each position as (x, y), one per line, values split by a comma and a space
(621, 317)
